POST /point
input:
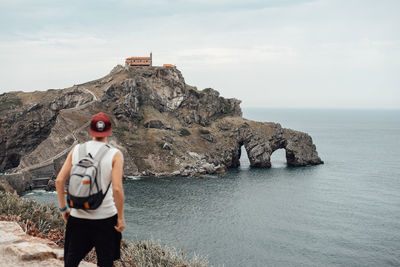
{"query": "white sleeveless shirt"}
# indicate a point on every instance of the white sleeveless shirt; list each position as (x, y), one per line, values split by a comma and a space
(107, 208)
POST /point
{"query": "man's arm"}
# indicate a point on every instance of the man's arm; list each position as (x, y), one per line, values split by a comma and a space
(60, 184)
(118, 190)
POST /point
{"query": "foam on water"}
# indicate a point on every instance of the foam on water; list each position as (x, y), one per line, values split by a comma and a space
(134, 177)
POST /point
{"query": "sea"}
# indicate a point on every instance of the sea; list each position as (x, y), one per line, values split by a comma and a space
(345, 212)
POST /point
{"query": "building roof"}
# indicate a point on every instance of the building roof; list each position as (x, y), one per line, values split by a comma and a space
(140, 63)
(129, 58)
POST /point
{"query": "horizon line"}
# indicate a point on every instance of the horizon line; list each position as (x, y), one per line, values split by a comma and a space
(325, 108)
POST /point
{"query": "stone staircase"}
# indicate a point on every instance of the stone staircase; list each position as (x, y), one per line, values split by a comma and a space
(40, 183)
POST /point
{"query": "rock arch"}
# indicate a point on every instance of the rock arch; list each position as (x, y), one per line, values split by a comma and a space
(278, 158)
(262, 139)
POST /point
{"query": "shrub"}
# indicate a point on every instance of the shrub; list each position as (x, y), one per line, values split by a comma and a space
(45, 217)
(184, 132)
(9, 101)
(152, 254)
(160, 144)
(204, 131)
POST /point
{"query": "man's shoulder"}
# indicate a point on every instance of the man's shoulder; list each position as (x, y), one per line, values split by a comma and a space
(114, 150)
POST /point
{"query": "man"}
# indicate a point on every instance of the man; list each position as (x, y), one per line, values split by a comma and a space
(100, 228)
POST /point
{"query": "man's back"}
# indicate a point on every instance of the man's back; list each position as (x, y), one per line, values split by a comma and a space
(107, 207)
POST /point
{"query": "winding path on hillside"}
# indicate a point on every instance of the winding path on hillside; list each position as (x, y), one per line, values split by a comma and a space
(50, 161)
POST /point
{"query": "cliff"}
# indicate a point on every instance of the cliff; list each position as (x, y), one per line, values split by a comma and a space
(162, 125)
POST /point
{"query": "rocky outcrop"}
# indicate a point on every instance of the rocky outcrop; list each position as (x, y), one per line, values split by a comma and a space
(165, 90)
(260, 140)
(202, 107)
(51, 185)
(22, 129)
(300, 150)
(20, 182)
(162, 125)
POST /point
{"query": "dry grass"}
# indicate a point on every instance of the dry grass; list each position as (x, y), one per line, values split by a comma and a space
(45, 217)
(37, 96)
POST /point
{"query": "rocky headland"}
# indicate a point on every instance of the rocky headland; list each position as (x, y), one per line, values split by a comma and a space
(162, 125)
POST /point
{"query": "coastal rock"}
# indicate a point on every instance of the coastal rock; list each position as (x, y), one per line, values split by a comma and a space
(201, 167)
(51, 185)
(262, 139)
(20, 182)
(300, 150)
(31, 251)
(20, 249)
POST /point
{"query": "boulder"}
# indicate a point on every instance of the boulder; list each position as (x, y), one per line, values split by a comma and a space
(20, 249)
(157, 124)
(167, 146)
(51, 185)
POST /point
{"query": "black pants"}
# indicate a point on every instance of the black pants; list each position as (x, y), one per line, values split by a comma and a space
(82, 235)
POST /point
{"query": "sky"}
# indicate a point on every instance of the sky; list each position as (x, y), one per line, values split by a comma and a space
(267, 53)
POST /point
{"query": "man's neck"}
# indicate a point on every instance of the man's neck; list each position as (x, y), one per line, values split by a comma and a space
(100, 139)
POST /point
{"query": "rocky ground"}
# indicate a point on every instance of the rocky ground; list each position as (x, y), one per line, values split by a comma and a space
(162, 125)
(20, 249)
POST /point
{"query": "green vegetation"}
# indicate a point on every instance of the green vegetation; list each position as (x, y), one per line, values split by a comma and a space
(184, 132)
(204, 131)
(121, 131)
(138, 117)
(45, 221)
(196, 93)
(8, 101)
(160, 144)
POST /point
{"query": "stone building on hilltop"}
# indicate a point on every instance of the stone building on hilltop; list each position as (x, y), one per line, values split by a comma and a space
(139, 61)
(143, 61)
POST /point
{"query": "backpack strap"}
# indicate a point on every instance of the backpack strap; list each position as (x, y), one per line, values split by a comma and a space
(82, 151)
(102, 151)
(108, 187)
(99, 156)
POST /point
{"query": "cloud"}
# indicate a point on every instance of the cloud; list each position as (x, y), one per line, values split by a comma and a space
(273, 53)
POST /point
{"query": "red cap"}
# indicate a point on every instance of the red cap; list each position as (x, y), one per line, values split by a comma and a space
(100, 125)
